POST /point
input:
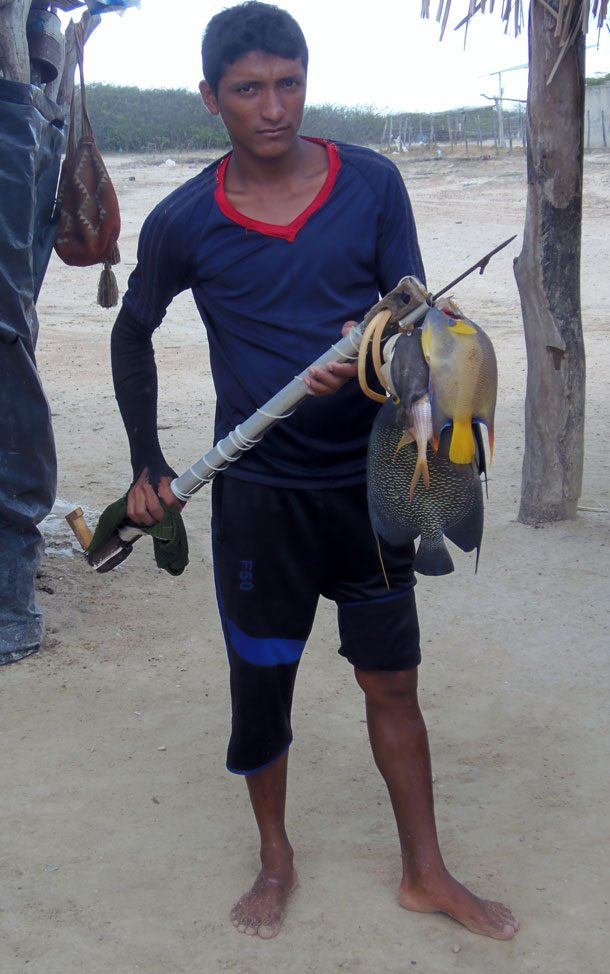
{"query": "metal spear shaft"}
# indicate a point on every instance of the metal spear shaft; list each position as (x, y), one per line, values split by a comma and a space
(282, 405)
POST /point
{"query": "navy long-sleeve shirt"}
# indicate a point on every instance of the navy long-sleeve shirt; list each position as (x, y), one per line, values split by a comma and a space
(272, 299)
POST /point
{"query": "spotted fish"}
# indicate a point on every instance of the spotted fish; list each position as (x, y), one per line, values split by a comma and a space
(451, 508)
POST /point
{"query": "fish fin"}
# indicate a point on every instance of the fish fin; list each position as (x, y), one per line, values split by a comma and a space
(385, 574)
(467, 532)
(461, 449)
(403, 441)
(421, 470)
(480, 462)
(440, 420)
(425, 474)
(461, 327)
(433, 558)
(490, 437)
(426, 341)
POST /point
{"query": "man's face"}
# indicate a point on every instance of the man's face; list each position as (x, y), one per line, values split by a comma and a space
(260, 99)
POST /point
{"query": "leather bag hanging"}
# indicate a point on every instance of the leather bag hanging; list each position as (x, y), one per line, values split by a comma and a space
(89, 220)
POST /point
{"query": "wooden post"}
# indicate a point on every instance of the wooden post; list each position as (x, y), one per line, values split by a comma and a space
(464, 133)
(14, 54)
(479, 132)
(548, 277)
(522, 127)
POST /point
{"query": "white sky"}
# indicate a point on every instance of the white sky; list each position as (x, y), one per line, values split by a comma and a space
(380, 54)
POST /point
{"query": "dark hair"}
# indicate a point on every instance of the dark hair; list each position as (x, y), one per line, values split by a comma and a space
(250, 26)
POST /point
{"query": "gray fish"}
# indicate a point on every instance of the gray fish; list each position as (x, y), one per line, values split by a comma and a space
(410, 377)
(452, 507)
(409, 373)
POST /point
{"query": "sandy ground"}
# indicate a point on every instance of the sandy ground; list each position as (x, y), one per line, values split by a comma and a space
(124, 841)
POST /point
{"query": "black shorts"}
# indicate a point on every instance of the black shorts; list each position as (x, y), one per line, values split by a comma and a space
(276, 550)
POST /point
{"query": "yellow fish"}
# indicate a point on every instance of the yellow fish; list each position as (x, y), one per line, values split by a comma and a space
(463, 379)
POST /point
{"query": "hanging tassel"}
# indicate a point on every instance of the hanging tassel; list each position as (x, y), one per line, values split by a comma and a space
(108, 289)
(115, 255)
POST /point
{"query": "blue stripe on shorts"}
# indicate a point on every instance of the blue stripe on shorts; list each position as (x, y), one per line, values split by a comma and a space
(264, 651)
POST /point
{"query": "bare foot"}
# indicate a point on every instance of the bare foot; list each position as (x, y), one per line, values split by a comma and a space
(486, 917)
(261, 910)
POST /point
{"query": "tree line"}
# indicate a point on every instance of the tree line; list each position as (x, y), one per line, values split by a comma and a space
(129, 119)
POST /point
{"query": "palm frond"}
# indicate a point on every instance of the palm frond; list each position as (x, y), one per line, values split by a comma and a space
(566, 12)
(572, 17)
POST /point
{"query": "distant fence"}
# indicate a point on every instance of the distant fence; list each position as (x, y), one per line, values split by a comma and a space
(144, 120)
(469, 127)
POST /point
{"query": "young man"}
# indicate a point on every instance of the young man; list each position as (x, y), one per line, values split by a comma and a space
(284, 242)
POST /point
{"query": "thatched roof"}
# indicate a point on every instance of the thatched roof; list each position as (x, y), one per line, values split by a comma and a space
(572, 17)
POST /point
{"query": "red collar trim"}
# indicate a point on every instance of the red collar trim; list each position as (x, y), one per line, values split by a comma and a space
(290, 231)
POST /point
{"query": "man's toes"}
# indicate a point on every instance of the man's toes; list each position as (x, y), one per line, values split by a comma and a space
(506, 917)
(501, 912)
(267, 931)
(509, 919)
(239, 921)
(502, 928)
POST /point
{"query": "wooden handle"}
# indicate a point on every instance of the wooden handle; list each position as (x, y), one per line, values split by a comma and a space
(80, 527)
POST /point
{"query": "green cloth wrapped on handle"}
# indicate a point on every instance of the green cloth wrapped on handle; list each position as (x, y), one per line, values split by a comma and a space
(170, 542)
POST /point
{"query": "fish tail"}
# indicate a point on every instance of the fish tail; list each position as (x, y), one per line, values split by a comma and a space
(461, 449)
(433, 558)
(421, 470)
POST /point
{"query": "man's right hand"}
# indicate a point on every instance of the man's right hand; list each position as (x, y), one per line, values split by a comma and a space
(144, 502)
